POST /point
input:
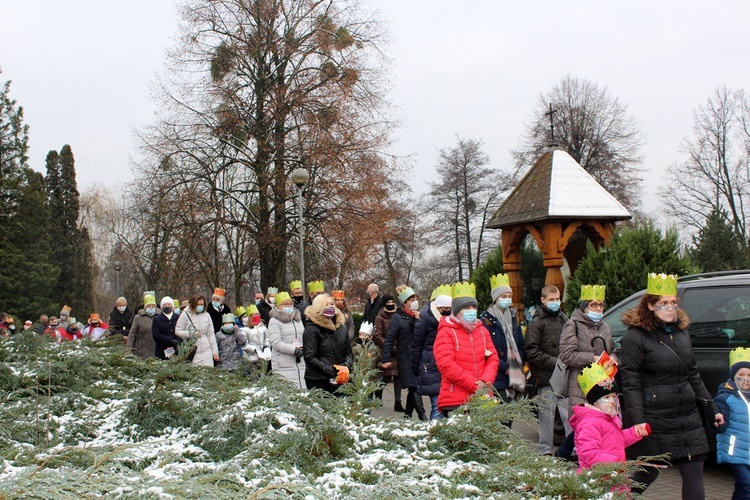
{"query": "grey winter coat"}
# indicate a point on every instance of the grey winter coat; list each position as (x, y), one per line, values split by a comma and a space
(577, 352)
(230, 349)
(285, 335)
(543, 343)
(140, 338)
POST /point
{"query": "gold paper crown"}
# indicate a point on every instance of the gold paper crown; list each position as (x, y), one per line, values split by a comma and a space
(739, 354)
(316, 286)
(593, 375)
(441, 290)
(66, 309)
(220, 292)
(239, 311)
(293, 285)
(499, 280)
(251, 309)
(592, 292)
(176, 303)
(662, 284)
(149, 299)
(282, 296)
(149, 292)
(464, 289)
(338, 294)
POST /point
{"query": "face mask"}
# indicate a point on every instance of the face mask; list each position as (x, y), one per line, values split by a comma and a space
(12, 327)
(216, 304)
(150, 311)
(94, 325)
(470, 315)
(245, 320)
(390, 309)
(167, 309)
(553, 306)
(504, 303)
(199, 309)
(272, 300)
(177, 311)
(256, 320)
(53, 326)
(288, 310)
(414, 305)
(595, 315)
(227, 328)
(257, 302)
(297, 299)
(329, 312)
(73, 328)
(121, 309)
(445, 313)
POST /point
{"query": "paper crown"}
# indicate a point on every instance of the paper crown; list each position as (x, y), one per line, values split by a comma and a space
(272, 290)
(220, 292)
(27, 323)
(463, 289)
(316, 286)
(338, 294)
(149, 293)
(239, 311)
(662, 284)
(227, 318)
(593, 292)
(282, 297)
(251, 309)
(405, 294)
(65, 309)
(441, 290)
(366, 327)
(94, 318)
(293, 285)
(149, 299)
(499, 280)
(739, 354)
(72, 321)
(592, 376)
(342, 377)
(176, 303)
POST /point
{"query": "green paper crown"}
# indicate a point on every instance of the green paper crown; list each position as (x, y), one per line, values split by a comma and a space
(239, 311)
(227, 318)
(593, 375)
(251, 309)
(499, 280)
(593, 292)
(176, 303)
(293, 285)
(149, 299)
(149, 293)
(739, 354)
(316, 286)
(662, 284)
(282, 296)
(464, 289)
(441, 290)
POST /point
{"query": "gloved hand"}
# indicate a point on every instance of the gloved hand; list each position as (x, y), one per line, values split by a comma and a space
(298, 353)
(331, 371)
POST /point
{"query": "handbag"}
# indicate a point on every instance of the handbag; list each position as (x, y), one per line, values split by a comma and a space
(704, 406)
(559, 379)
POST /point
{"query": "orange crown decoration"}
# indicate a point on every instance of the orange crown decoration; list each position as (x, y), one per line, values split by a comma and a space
(220, 292)
(338, 294)
(342, 377)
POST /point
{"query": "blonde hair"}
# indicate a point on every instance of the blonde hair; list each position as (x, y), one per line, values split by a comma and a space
(319, 303)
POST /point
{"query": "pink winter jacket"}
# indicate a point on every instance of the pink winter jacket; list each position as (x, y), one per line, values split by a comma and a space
(463, 358)
(598, 436)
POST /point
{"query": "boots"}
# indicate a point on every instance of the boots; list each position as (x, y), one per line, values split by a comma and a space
(398, 407)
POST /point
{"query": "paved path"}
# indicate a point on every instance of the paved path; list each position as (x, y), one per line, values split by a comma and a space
(718, 480)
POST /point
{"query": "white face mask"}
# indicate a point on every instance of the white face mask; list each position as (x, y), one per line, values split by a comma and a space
(414, 305)
(271, 300)
(121, 309)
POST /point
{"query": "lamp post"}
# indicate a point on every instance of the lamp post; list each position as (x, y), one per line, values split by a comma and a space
(300, 178)
(118, 265)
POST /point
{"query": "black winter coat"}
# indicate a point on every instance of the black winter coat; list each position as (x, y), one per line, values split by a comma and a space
(325, 343)
(422, 359)
(120, 322)
(372, 309)
(543, 343)
(401, 332)
(492, 324)
(162, 328)
(216, 314)
(659, 389)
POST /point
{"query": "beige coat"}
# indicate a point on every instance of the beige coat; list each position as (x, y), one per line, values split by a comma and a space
(204, 331)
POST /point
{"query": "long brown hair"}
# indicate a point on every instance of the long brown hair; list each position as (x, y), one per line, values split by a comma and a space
(646, 316)
(193, 301)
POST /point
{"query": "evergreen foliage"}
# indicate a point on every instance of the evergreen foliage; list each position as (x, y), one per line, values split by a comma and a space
(623, 266)
(91, 419)
(718, 245)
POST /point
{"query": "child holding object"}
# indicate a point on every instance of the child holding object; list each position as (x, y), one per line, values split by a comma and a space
(733, 438)
(599, 436)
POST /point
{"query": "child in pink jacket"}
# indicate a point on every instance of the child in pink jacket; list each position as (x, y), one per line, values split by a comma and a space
(599, 436)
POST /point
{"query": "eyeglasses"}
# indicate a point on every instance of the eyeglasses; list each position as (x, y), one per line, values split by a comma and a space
(666, 307)
(596, 305)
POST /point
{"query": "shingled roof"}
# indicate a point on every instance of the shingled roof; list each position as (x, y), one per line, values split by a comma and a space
(557, 187)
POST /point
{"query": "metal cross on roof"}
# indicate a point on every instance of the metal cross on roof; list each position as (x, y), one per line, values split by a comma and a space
(550, 113)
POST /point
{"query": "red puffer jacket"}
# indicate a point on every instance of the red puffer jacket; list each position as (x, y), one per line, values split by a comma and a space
(462, 359)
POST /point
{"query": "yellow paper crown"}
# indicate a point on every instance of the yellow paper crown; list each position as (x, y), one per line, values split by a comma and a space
(464, 289)
(593, 375)
(739, 354)
(149, 299)
(592, 292)
(282, 296)
(239, 311)
(293, 285)
(441, 290)
(176, 303)
(662, 284)
(316, 286)
(251, 309)
(149, 292)
(499, 280)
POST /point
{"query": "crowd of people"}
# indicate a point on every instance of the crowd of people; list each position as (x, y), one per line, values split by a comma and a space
(640, 403)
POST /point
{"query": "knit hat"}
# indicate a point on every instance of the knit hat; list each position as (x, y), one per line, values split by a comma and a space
(166, 300)
(387, 298)
(595, 383)
(500, 284)
(464, 295)
(443, 301)
(738, 358)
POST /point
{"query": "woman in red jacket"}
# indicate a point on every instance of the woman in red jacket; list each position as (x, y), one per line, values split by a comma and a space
(464, 352)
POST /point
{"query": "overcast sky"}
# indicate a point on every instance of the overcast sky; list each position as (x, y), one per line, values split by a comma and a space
(81, 69)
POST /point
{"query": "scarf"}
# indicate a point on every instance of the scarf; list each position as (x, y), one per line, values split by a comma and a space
(515, 366)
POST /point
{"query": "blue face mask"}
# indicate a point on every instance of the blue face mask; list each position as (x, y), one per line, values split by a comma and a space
(470, 315)
(288, 310)
(595, 315)
(504, 303)
(199, 309)
(553, 306)
(150, 311)
(216, 304)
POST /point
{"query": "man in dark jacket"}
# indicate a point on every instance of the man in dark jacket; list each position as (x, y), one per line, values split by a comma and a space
(374, 303)
(265, 307)
(542, 349)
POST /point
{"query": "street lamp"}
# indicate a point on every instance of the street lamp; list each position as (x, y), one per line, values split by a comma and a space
(300, 178)
(118, 265)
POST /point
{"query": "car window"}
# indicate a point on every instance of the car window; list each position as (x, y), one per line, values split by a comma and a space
(614, 319)
(720, 317)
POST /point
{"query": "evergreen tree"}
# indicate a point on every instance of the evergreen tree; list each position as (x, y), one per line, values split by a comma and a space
(14, 145)
(623, 266)
(718, 245)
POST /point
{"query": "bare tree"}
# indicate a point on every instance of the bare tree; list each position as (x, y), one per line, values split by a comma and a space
(714, 175)
(594, 128)
(461, 202)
